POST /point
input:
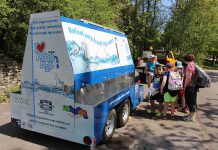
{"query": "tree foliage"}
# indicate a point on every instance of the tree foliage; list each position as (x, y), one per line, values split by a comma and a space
(142, 21)
(193, 27)
(14, 18)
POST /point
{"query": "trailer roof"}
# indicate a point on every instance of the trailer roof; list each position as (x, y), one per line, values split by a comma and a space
(92, 25)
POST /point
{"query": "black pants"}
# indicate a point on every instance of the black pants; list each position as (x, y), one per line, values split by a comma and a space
(191, 98)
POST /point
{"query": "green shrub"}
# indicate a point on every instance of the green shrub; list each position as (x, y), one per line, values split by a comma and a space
(4, 97)
(12, 89)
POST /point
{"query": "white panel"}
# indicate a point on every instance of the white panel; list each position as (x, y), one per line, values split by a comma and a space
(50, 72)
(46, 14)
(92, 50)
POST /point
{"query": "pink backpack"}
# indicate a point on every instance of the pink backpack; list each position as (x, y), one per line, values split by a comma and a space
(175, 81)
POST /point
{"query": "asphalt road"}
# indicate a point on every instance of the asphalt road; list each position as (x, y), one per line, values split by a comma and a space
(143, 131)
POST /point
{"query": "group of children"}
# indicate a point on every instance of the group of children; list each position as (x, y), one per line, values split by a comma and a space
(166, 94)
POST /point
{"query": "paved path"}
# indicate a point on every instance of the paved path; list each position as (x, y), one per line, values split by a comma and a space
(143, 131)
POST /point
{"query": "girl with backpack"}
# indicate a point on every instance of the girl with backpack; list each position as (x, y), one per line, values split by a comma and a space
(190, 89)
(170, 87)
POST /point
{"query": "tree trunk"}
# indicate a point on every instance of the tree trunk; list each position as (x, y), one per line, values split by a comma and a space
(135, 15)
(147, 33)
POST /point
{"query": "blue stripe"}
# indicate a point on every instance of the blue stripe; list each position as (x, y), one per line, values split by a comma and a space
(95, 77)
(90, 26)
(33, 83)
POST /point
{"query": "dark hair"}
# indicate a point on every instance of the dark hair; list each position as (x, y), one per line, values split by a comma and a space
(169, 67)
(189, 57)
(157, 66)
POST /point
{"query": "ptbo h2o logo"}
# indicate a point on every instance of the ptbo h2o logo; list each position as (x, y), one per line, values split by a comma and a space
(47, 60)
(41, 47)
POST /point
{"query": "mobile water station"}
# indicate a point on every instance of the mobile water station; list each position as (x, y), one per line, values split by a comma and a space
(77, 80)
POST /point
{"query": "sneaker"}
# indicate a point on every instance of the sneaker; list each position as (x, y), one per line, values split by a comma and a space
(150, 111)
(190, 118)
(185, 117)
(172, 117)
(158, 114)
(185, 110)
(164, 117)
(176, 109)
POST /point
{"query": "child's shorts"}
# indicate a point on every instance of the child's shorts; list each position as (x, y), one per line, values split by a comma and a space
(158, 97)
(169, 98)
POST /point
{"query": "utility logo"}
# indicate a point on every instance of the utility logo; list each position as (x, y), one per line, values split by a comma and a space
(48, 60)
(78, 112)
(46, 105)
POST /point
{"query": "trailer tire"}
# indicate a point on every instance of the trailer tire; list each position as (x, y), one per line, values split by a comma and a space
(123, 112)
(109, 126)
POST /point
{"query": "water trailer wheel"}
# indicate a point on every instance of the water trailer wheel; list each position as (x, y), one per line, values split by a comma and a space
(123, 112)
(110, 126)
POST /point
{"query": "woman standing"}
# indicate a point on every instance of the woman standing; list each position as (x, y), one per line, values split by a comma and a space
(190, 89)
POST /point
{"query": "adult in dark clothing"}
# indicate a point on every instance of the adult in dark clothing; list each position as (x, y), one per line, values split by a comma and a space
(190, 89)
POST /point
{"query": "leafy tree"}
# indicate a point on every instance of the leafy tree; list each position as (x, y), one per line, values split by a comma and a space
(98, 11)
(193, 27)
(4, 22)
(141, 21)
(15, 15)
(15, 22)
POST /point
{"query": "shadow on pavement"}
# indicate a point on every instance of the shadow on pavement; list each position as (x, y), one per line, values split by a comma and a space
(150, 139)
(208, 118)
(209, 110)
(213, 75)
(129, 138)
(51, 143)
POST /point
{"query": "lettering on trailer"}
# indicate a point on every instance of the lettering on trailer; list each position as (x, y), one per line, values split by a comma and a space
(119, 98)
(137, 90)
(47, 60)
(52, 123)
(21, 100)
(89, 37)
(45, 27)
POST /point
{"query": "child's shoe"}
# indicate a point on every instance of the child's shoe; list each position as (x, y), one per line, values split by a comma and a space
(185, 110)
(172, 117)
(164, 117)
(176, 109)
(150, 111)
(190, 118)
(156, 111)
(158, 114)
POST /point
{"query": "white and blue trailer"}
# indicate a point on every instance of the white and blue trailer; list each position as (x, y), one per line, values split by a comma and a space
(77, 80)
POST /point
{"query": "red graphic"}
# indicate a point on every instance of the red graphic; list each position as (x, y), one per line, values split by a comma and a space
(41, 46)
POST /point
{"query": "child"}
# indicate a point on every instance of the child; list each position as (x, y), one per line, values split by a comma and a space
(180, 69)
(149, 71)
(169, 96)
(157, 96)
